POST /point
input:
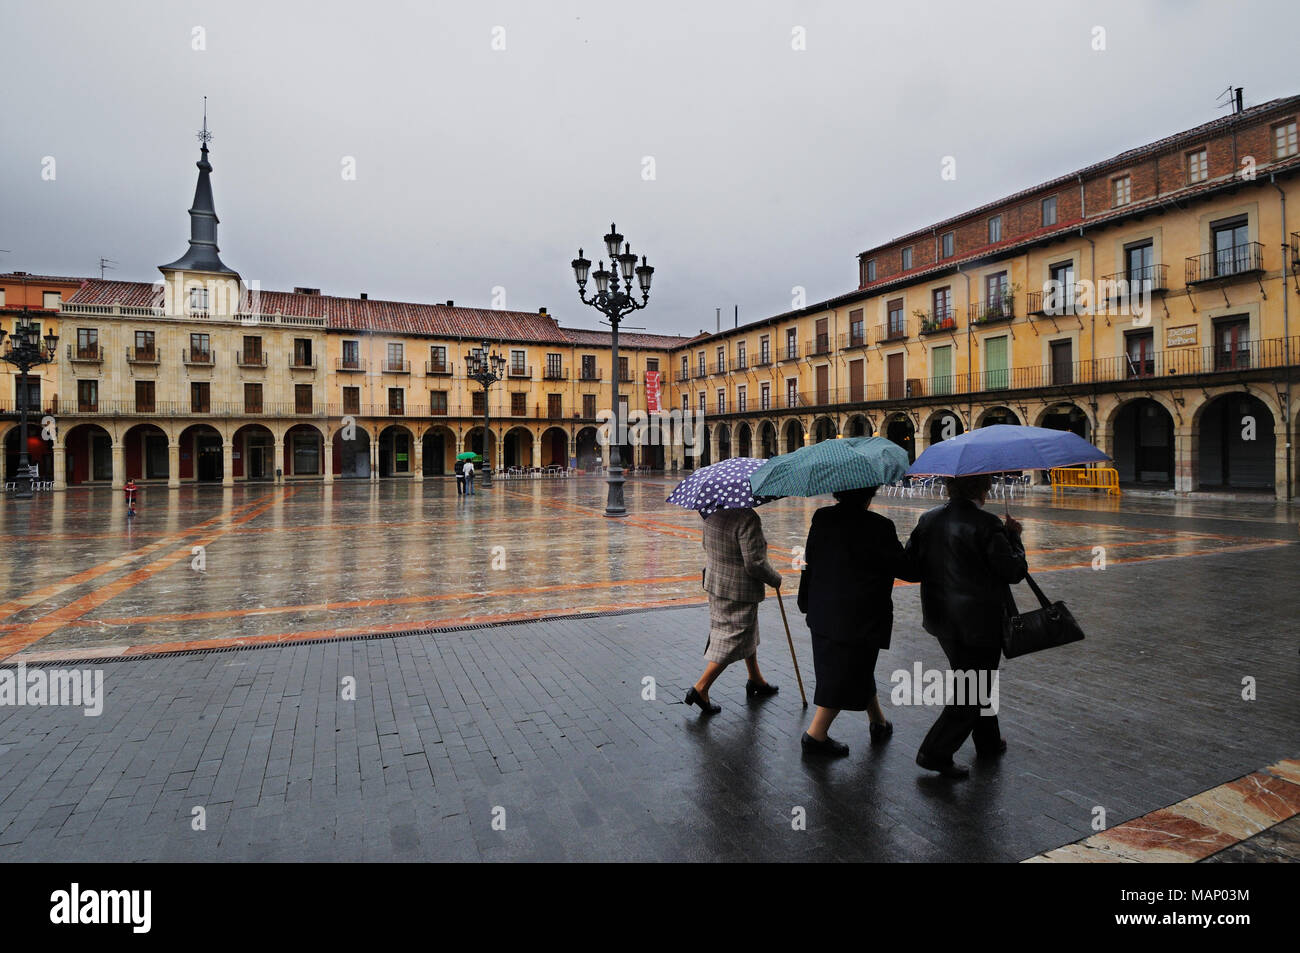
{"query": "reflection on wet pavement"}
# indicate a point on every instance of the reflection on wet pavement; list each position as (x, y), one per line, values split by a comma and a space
(304, 561)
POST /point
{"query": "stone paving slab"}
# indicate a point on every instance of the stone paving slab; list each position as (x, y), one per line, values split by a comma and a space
(546, 720)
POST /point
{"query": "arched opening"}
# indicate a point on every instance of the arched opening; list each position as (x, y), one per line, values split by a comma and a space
(437, 451)
(823, 429)
(518, 448)
(202, 457)
(588, 449)
(998, 415)
(724, 442)
(254, 453)
(1237, 445)
(304, 451)
(744, 441)
(858, 426)
(352, 453)
(900, 430)
(793, 436)
(1144, 443)
(555, 448)
(396, 446)
(767, 435)
(944, 426)
(1067, 416)
(474, 442)
(706, 450)
(88, 455)
(40, 454)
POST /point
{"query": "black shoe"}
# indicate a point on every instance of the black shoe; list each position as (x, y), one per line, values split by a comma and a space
(880, 733)
(706, 707)
(997, 752)
(950, 770)
(836, 749)
(753, 688)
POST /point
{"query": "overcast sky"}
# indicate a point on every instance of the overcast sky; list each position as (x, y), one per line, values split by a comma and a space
(478, 167)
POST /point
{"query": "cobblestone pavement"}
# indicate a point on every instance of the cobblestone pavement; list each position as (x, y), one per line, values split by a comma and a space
(546, 720)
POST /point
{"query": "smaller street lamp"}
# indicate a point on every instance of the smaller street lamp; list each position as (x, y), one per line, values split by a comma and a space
(26, 350)
(487, 369)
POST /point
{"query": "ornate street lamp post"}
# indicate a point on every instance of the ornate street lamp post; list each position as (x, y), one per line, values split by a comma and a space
(614, 302)
(487, 369)
(26, 351)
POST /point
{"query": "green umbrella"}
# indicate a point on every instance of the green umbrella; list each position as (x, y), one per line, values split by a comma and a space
(469, 455)
(846, 463)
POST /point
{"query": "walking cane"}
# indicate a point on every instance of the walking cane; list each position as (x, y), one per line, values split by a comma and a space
(792, 655)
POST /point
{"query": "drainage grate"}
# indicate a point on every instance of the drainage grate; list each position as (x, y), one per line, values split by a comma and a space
(365, 637)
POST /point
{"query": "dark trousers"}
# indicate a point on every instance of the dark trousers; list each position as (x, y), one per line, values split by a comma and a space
(460, 484)
(958, 722)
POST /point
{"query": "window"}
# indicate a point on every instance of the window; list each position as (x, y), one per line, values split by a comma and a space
(941, 370)
(351, 355)
(1139, 350)
(200, 397)
(1060, 299)
(652, 364)
(477, 404)
(198, 299)
(941, 301)
(764, 350)
(792, 392)
(626, 375)
(995, 363)
(722, 400)
(948, 243)
(1232, 344)
(352, 400)
(144, 397)
(589, 367)
(302, 352)
(252, 398)
(741, 400)
(686, 404)
(995, 229)
(396, 357)
(897, 326)
(700, 359)
(765, 396)
(856, 328)
(88, 343)
(87, 396)
(555, 406)
(1049, 211)
(996, 302)
(553, 369)
(144, 347)
(1284, 140)
(200, 348)
(438, 358)
(32, 398)
(1198, 168)
(871, 270)
(907, 258)
(702, 404)
(302, 398)
(791, 343)
(519, 404)
(722, 359)
(1121, 191)
(1232, 249)
(517, 363)
(252, 349)
(396, 401)
(740, 355)
(438, 403)
(686, 370)
(50, 300)
(1139, 266)
(589, 407)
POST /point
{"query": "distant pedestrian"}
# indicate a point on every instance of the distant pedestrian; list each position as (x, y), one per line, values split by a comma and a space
(736, 569)
(129, 491)
(460, 477)
(469, 477)
(967, 559)
(846, 590)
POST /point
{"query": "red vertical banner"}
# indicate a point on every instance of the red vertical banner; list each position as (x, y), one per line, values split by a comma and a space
(652, 392)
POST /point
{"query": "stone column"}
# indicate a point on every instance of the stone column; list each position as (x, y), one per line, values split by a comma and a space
(278, 463)
(60, 467)
(328, 457)
(417, 458)
(119, 466)
(374, 458)
(1186, 460)
(537, 450)
(227, 464)
(173, 465)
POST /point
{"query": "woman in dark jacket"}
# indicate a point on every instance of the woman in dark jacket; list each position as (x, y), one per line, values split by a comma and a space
(966, 558)
(853, 557)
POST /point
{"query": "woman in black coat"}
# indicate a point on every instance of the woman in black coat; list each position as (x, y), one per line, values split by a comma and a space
(853, 557)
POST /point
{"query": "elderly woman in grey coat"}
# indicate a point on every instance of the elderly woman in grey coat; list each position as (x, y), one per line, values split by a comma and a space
(736, 570)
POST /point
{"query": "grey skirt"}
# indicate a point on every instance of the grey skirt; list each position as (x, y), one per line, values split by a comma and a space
(733, 630)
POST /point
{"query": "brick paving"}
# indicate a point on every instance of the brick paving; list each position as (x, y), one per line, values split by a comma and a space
(546, 720)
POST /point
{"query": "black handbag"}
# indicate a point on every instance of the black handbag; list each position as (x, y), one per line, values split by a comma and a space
(1044, 628)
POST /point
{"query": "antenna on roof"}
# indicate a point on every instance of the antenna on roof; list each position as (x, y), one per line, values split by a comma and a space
(1233, 97)
(105, 264)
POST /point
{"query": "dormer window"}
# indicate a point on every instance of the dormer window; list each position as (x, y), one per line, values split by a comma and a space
(198, 299)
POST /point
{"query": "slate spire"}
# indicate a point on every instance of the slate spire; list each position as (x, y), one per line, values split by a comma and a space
(203, 252)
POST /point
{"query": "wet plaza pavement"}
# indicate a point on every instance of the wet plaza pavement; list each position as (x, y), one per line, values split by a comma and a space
(550, 719)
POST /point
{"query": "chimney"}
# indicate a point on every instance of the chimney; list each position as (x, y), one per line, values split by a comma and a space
(450, 303)
(737, 316)
(541, 311)
(306, 291)
(1240, 107)
(717, 320)
(364, 296)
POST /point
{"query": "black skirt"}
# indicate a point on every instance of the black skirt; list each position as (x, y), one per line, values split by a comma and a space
(845, 672)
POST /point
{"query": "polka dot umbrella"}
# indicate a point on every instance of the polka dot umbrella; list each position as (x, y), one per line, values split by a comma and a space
(720, 486)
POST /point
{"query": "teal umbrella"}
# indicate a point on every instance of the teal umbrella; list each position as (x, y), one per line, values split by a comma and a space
(845, 463)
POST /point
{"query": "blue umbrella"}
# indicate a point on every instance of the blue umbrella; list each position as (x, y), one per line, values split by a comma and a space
(720, 486)
(1003, 447)
(846, 463)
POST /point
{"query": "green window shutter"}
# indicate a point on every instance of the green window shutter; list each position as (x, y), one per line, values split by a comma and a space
(941, 370)
(995, 363)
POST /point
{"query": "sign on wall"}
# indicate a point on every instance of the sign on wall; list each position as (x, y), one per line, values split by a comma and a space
(652, 391)
(1181, 337)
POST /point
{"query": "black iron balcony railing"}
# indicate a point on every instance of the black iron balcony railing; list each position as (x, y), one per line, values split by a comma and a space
(683, 376)
(991, 312)
(521, 371)
(764, 359)
(191, 356)
(250, 358)
(853, 339)
(718, 367)
(1148, 279)
(86, 354)
(625, 377)
(1245, 259)
(1055, 301)
(553, 373)
(789, 352)
(740, 363)
(302, 362)
(593, 374)
(819, 345)
(437, 369)
(1295, 251)
(893, 331)
(350, 365)
(938, 320)
(143, 355)
(397, 367)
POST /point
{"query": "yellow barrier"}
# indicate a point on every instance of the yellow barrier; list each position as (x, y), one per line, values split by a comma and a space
(1097, 478)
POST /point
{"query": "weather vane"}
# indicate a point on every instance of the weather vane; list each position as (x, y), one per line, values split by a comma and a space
(205, 136)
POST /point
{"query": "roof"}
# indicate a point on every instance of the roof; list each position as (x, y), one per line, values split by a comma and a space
(580, 337)
(1125, 158)
(18, 277)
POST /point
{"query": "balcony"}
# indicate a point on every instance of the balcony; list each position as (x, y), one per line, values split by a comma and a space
(250, 358)
(90, 354)
(788, 353)
(764, 359)
(938, 321)
(592, 375)
(520, 372)
(820, 345)
(1125, 285)
(1055, 302)
(992, 312)
(683, 376)
(143, 355)
(396, 367)
(437, 369)
(302, 362)
(853, 339)
(739, 363)
(894, 331)
(718, 367)
(350, 365)
(1295, 251)
(1245, 260)
(626, 377)
(197, 358)
(551, 373)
